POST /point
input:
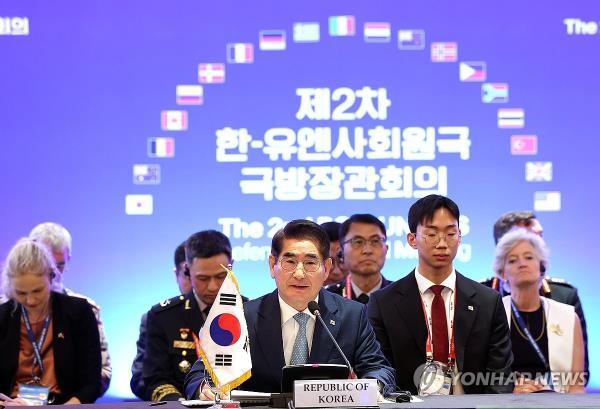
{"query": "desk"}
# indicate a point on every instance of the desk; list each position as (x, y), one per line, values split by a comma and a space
(532, 400)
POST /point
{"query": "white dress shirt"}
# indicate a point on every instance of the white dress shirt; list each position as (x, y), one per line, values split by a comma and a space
(201, 304)
(290, 327)
(358, 291)
(427, 295)
(447, 294)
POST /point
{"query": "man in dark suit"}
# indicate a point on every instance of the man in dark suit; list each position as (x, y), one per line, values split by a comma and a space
(171, 325)
(363, 250)
(283, 332)
(456, 308)
(551, 287)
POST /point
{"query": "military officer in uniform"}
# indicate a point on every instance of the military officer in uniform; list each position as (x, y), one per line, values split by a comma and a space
(554, 288)
(182, 277)
(173, 325)
(363, 250)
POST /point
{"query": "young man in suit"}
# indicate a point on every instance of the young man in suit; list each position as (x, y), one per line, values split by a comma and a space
(463, 320)
(283, 332)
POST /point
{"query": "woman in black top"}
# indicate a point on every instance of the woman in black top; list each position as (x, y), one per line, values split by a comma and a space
(546, 335)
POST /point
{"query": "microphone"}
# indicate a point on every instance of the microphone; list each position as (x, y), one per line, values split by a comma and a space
(313, 307)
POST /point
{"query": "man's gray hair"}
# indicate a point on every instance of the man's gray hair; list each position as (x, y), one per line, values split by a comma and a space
(53, 235)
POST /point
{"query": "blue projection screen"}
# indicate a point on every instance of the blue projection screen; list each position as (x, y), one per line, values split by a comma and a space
(135, 124)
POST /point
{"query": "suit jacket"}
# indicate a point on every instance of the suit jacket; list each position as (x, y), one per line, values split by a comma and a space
(482, 336)
(77, 359)
(338, 288)
(346, 320)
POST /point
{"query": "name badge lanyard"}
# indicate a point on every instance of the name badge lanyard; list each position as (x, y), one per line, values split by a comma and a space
(534, 344)
(429, 343)
(37, 346)
(348, 288)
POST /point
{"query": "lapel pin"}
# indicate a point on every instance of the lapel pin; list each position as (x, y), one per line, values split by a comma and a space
(332, 322)
(470, 307)
(61, 335)
(556, 329)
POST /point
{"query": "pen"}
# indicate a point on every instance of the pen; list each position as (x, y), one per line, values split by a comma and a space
(162, 402)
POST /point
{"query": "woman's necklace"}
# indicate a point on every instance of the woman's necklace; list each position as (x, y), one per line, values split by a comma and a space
(523, 335)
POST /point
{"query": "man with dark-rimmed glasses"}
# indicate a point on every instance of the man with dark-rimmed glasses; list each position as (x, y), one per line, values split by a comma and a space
(437, 321)
(363, 250)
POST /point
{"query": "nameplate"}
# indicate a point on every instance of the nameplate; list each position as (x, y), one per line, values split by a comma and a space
(335, 393)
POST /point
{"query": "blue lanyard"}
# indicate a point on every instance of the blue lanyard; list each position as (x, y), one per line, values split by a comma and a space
(534, 344)
(37, 346)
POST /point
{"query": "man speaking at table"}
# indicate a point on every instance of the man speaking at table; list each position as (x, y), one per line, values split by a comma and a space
(283, 332)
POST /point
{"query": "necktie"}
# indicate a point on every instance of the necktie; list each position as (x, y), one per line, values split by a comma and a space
(363, 298)
(300, 351)
(439, 325)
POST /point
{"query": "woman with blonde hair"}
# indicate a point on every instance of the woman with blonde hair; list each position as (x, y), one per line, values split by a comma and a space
(48, 341)
(546, 336)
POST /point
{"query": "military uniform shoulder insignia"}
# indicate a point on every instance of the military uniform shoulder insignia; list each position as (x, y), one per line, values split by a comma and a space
(487, 281)
(168, 303)
(559, 281)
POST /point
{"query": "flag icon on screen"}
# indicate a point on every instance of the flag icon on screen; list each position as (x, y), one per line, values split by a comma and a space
(211, 73)
(538, 171)
(523, 145)
(511, 118)
(174, 120)
(307, 32)
(546, 201)
(144, 174)
(411, 39)
(494, 92)
(139, 205)
(271, 40)
(189, 95)
(161, 147)
(240, 53)
(342, 26)
(375, 32)
(444, 52)
(472, 71)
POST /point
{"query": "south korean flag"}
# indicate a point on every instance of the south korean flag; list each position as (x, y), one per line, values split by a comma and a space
(224, 338)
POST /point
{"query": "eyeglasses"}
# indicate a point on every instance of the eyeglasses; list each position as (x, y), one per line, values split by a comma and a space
(309, 265)
(360, 242)
(433, 238)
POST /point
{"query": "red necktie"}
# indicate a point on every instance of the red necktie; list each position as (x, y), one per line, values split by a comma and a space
(439, 324)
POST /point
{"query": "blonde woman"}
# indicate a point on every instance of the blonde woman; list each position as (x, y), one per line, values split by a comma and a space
(546, 336)
(47, 339)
